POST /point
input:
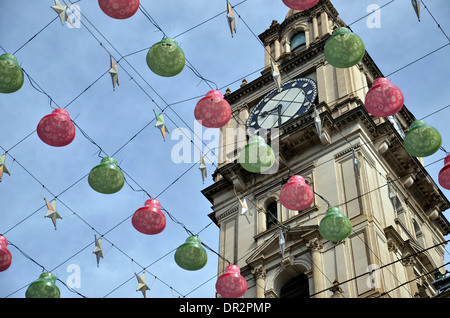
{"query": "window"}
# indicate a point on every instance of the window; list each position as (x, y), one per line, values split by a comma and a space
(296, 288)
(298, 42)
(271, 215)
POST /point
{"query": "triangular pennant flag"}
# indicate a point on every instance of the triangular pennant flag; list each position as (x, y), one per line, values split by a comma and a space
(276, 74)
(317, 122)
(98, 249)
(203, 167)
(416, 5)
(142, 286)
(51, 212)
(231, 19)
(356, 163)
(282, 242)
(3, 167)
(245, 210)
(114, 74)
(160, 124)
(62, 12)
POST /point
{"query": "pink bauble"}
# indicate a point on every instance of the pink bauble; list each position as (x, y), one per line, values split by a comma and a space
(384, 99)
(5, 254)
(119, 9)
(213, 111)
(300, 4)
(149, 219)
(444, 174)
(56, 129)
(231, 284)
(296, 195)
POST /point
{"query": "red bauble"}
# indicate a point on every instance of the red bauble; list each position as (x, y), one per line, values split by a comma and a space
(296, 195)
(5, 254)
(56, 129)
(119, 9)
(444, 174)
(231, 284)
(300, 4)
(384, 99)
(213, 111)
(149, 219)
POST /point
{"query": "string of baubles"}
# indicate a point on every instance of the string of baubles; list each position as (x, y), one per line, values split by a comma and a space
(343, 49)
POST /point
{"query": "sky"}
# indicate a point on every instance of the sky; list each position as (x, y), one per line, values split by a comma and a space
(68, 68)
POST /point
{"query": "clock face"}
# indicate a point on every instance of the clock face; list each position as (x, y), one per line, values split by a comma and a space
(281, 106)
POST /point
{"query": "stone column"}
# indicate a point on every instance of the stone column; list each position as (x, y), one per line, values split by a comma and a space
(315, 246)
(409, 266)
(260, 276)
(315, 28)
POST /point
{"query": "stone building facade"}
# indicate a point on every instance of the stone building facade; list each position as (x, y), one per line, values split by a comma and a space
(355, 161)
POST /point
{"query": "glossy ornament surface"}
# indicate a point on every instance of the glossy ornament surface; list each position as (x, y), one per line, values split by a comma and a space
(231, 284)
(191, 255)
(107, 177)
(344, 48)
(257, 156)
(11, 74)
(444, 174)
(213, 111)
(384, 99)
(44, 287)
(119, 9)
(300, 4)
(335, 226)
(296, 195)
(149, 219)
(56, 129)
(166, 58)
(5, 254)
(422, 140)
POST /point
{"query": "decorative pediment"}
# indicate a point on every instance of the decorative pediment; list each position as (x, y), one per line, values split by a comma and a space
(270, 249)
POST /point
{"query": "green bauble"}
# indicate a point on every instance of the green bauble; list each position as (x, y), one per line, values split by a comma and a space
(107, 177)
(344, 48)
(44, 287)
(166, 58)
(257, 156)
(191, 255)
(422, 140)
(335, 226)
(11, 74)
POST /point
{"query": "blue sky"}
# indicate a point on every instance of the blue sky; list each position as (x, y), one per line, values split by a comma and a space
(71, 66)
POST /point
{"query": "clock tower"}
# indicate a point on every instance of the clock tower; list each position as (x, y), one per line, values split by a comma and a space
(317, 125)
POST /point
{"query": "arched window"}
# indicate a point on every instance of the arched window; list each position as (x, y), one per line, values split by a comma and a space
(298, 42)
(271, 215)
(297, 287)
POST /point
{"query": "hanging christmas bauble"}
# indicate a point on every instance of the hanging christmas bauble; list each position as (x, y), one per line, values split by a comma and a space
(5, 254)
(191, 255)
(213, 111)
(300, 4)
(11, 74)
(384, 99)
(344, 48)
(56, 129)
(444, 174)
(257, 156)
(422, 140)
(166, 58)
(296, 195)
(149, 219)
(231, 284)
(44, 287)
(107, 177)
(335, 226)
(119, 9)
